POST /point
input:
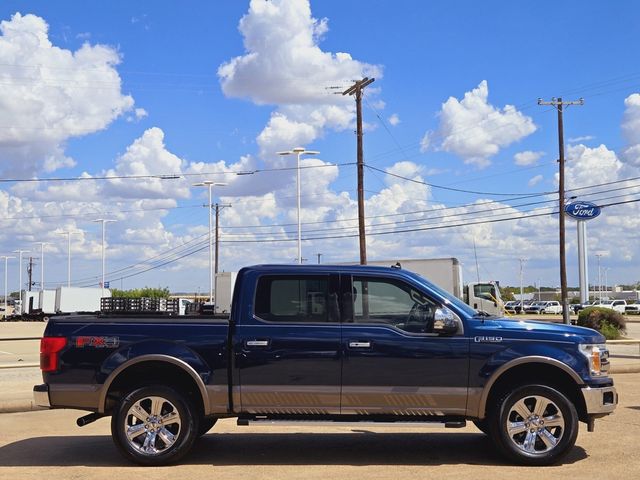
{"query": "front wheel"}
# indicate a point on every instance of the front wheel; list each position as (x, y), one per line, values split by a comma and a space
(154, 425)
(534, 425)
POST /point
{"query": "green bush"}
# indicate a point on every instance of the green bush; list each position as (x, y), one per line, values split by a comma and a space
(608, 322)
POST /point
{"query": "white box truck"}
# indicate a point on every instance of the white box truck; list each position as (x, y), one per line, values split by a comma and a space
(77, 299)
(47, 301)
(225, 281)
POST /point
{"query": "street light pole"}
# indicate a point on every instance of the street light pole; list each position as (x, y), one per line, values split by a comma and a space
(103, 221)
(6, 259)
(20, 252)
(599, 278)
(298, 151)
(42, 244)
(68, 233)
(210, 184)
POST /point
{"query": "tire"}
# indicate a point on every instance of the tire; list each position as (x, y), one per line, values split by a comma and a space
(166, 422)
(543, 423)
(482, 425)
(206, 424)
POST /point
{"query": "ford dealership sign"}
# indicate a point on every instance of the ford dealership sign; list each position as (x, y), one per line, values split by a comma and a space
(582, 210)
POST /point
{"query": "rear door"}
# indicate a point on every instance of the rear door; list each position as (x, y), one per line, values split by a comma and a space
(393, 362)
(287, 346)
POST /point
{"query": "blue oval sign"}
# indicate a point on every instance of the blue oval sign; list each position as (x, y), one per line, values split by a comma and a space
(582, 210)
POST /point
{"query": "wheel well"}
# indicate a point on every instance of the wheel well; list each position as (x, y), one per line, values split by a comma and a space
(540, 374)
(153, 373)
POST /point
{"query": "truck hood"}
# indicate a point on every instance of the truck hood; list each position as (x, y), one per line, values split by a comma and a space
(540, 330)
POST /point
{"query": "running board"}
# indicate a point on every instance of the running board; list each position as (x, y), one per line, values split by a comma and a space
(270, 422)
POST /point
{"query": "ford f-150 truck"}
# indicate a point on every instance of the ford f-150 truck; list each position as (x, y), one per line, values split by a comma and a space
(340, 344)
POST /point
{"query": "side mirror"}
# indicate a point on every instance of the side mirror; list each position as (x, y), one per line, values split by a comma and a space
(445, 322)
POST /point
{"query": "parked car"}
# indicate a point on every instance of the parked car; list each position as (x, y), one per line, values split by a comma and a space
(510, 306)
(536, 307)
(617, 305)
(633, 309)
(553, 307)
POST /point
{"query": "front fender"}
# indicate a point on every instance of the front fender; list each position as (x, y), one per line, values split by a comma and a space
(505, 360)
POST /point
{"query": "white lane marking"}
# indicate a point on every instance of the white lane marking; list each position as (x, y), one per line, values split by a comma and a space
(7, 353)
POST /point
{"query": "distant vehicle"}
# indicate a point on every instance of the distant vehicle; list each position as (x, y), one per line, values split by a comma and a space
(536, 307)
(510, 306)
(553, 307)
(633, 309)
(617, 305)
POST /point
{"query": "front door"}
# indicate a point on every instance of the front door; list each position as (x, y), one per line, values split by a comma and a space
(393, 362)
(287, 351)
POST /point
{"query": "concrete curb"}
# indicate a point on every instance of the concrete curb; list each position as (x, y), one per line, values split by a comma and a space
(20, 365)
(624, 369)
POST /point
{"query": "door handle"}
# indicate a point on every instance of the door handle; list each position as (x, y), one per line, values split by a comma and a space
(359, 344)
(257, 343)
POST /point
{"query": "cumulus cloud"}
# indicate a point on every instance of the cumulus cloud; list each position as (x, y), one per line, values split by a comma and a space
(475, 130)
(51, 95)
(527, 158)
(283, 65)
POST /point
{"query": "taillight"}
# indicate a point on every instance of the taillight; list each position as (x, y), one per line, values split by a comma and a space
(49, 352)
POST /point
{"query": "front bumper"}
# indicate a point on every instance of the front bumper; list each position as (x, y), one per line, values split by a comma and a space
(41, 395)
(600, 400)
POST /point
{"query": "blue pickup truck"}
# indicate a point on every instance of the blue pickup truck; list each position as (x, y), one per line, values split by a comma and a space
(339, 344)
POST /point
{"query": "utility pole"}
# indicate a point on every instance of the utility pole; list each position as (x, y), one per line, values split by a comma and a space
(559, 105)
(218, 208)
(356, 90)
(30, 272)
(319, 255)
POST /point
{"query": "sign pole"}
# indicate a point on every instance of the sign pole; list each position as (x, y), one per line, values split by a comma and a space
(582, 261)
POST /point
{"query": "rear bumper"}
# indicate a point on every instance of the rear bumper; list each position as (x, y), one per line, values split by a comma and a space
(600, 401)
(41, 395)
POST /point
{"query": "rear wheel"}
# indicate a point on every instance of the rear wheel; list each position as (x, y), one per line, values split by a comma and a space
(154, 425)
(534, 425)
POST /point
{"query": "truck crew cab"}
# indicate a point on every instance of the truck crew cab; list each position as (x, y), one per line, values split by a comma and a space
(331, 344)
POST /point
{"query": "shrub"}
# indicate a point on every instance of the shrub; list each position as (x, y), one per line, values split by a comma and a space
(608, 322)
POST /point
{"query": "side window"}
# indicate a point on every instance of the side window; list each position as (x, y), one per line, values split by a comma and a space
(294, 299)
(393, 303)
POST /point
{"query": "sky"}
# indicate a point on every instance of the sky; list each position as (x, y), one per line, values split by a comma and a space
(115, 109)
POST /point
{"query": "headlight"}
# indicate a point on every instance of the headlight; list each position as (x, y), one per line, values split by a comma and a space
(598, 358)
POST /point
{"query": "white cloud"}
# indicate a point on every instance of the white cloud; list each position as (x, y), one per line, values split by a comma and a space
(535, 180)
(394, 119)
(588, 166)
(283, 65)
(631, 129)
(51, 95)
(584, 138)
(527, 157)
(475, 130)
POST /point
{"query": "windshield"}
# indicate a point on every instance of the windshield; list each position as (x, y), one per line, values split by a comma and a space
(448, 297)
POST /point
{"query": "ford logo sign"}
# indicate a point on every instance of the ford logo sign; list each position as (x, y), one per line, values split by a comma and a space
(582, 210)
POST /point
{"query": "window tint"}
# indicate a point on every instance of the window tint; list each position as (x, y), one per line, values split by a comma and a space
(391, 302)
(293, 299)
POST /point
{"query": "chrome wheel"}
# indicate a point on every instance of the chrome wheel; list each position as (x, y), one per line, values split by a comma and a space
(535, 424)
(152, 425)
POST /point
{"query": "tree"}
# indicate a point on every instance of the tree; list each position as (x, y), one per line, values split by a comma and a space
(146, 292)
